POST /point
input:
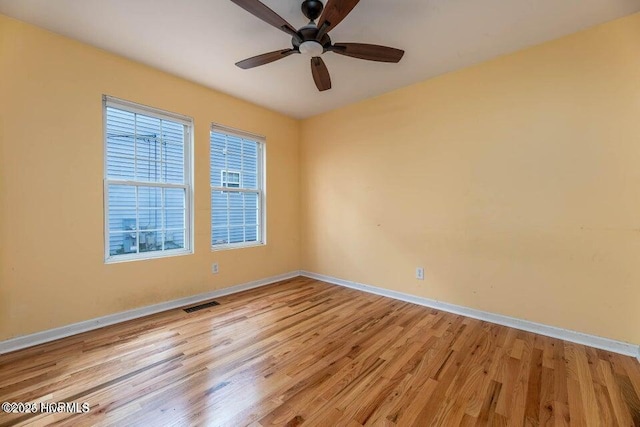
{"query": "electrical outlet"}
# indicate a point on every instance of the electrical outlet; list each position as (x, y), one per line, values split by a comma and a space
(420, 273)
(214, 268)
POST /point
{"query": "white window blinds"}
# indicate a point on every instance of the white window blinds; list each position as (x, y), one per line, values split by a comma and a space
(237, 188)
(147, 182)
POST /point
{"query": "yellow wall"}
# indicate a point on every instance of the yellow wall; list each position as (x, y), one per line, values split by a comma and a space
(515, 183)
(52, 271)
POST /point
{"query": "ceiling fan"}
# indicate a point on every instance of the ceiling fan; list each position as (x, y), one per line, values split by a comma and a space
(313, 39)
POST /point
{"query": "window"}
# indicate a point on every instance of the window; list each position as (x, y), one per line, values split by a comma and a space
(237, 188)
(147, 182)
(230, 179)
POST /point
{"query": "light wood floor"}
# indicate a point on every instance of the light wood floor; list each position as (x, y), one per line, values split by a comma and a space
(305, 352)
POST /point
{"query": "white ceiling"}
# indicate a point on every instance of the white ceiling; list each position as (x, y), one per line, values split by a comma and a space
(201, 40)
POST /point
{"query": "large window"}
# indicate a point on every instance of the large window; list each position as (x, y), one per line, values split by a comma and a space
(237, 188)
(147, 182)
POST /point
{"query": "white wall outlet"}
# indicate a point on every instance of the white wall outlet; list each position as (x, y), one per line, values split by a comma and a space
(420, 273)
(214, 268)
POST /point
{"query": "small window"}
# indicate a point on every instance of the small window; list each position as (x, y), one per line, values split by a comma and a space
(147, 182)
(231, 179)
(237, 188)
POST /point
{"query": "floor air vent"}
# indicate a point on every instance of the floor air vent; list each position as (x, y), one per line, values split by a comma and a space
(201, 306)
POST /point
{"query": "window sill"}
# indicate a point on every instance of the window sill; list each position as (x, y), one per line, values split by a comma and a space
(236, 246)
(117, 259)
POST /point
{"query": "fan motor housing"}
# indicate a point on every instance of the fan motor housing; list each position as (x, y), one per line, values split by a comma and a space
(309, 33)
(312, 9)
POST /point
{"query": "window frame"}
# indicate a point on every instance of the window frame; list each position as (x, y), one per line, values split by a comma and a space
(132, 107)
(261, 175)
(224, 181)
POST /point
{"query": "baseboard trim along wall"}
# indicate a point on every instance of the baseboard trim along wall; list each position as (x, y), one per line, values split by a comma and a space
(614, 346)
(25, 341)
(525, 325)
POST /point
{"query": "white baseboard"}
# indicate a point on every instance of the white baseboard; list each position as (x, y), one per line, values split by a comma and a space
(525, 325)
(551, 331)
(111, 319)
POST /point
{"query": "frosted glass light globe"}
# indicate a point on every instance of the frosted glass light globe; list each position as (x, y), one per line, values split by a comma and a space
(311, 48)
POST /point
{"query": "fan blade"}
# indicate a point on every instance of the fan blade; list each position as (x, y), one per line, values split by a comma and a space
(334, 12)
(370, 52)
(265, 58)
(261, 11)
(320, 74)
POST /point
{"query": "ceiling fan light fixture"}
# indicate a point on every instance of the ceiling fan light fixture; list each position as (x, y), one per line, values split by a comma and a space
(311, 48)
(313, 39)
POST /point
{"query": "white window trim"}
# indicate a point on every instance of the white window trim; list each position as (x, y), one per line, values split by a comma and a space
(261, 191)
(229, 171)
(109, 101)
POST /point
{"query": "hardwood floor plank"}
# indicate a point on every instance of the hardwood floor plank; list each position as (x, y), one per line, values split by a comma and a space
(490, 367)
(562, 415)
(630, 397)
(576, 406)
(621, 411)
(488, 411)
(468, 379)
(605, 409)
(632, 371)
(303, 352)
(585, 383)
(533, 399)
(511, 368)
(547, 408)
